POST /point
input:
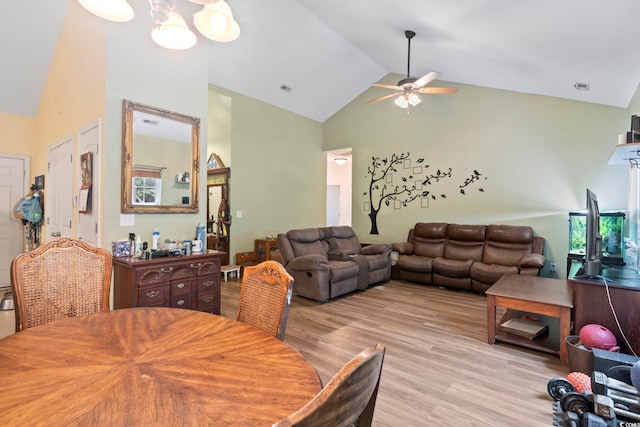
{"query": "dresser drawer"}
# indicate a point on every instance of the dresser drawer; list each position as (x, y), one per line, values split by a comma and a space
(208, 284)
(182, 287)
(183, 302)
(207, 301)
(153, 295)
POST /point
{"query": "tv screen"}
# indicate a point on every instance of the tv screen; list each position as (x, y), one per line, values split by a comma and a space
(593, 254)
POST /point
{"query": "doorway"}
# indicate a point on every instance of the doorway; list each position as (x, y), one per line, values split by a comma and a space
(14, 171)
(339, 172)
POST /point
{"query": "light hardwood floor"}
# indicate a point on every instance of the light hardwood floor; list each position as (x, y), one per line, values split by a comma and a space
(438, 370)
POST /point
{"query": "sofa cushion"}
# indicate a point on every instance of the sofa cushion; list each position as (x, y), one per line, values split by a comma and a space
(490, 273)
(341, 270)
(457, 268)
(507, 244)
(416, 263)
(307, 241)
(464, 242)
(428, 239)
(341, 237)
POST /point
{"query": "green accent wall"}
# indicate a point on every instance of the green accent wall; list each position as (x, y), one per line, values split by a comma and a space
(537, 153)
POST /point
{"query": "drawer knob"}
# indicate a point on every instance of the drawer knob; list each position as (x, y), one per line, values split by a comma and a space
(180, 285)
(166, 269)
(207, 299)
(180, 302)
(195, 265)
(153, 294)
(208, 283)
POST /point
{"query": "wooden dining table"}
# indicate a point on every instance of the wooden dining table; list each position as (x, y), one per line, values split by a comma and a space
(150, 367)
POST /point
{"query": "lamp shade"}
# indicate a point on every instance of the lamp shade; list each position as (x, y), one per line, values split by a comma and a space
(404, 100)
(111, 10)
(174, 33)
(215, 21)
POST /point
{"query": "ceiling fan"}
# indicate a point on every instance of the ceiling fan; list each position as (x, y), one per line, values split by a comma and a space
(408, 89)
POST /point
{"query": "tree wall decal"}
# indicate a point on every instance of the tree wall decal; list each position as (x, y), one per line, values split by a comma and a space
(414, 184)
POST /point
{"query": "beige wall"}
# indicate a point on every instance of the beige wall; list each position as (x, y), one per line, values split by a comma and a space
(538, 155)
(18, 134)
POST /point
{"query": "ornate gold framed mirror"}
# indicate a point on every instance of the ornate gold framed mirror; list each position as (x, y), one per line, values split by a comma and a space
(160, 160)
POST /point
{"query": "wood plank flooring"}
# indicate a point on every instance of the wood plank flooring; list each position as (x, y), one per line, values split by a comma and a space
(438, 370)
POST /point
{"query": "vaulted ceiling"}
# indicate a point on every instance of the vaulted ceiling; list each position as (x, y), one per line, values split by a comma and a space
(329, 52)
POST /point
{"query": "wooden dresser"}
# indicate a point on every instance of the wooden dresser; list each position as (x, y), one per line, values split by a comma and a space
(191, 282)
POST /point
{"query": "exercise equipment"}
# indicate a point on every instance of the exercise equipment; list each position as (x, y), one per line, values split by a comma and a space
(598, 336)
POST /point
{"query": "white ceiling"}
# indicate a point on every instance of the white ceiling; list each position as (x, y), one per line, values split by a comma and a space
(330, 51)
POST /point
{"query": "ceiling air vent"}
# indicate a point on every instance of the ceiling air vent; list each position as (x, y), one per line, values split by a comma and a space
(581, 86)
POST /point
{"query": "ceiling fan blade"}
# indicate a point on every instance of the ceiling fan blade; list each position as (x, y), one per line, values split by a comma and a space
(386, 86)
(442, 90)
(381, 98)
(426, 79)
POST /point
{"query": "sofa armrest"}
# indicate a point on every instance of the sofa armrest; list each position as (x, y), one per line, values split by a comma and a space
(375, 249)
(405, 248)
(532, 261)
(311, 262)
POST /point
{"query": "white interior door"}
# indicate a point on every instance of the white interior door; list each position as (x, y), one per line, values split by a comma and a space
(13, 185)
(88, 222)
(59, 189)
(333, 205)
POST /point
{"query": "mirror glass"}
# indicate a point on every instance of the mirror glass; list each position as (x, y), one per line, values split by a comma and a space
(160, 160)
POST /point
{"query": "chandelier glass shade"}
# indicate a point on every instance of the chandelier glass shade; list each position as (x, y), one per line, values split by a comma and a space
(111, 10)
(174, 33)
(215, 21)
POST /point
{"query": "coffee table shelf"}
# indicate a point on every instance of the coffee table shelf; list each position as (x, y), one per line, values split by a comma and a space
(549, 342)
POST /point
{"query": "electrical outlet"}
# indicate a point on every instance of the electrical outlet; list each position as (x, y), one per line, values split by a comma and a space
(553, 267)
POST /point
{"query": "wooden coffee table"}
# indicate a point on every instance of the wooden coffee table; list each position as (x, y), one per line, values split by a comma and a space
(551, 299)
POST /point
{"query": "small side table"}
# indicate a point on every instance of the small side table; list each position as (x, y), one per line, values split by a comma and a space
(226, 269)
(265, 246)
(532, 294)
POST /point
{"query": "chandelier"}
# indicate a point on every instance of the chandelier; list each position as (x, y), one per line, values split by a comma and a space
(215, 21)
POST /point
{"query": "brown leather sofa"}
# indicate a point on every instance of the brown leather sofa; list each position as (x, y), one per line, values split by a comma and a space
(470, 257)
(328, 262)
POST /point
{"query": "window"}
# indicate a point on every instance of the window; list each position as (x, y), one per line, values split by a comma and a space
(146, 186)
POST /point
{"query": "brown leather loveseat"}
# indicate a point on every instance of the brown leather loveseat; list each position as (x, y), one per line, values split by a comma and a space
(470, 257)
(328, 262)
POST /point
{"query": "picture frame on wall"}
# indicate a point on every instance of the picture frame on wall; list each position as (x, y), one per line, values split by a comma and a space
(214, 162)
(39, 182)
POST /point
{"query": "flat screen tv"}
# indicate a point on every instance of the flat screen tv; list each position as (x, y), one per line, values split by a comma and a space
(592, 266)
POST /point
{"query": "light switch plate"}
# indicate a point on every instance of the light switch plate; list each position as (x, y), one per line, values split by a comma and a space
(238, 214)
(127, 220)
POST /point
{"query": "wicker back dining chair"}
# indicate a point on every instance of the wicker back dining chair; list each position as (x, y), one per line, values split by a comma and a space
(64, 277)
(349, 399)
(265, 296)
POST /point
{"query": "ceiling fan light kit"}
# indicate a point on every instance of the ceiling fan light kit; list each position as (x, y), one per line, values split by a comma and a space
(215, 21)
(408, 88)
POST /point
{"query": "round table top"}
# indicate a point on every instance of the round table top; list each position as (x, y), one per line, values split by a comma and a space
(150, 366)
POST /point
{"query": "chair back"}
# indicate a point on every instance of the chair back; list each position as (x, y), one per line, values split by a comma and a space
(62, 278)
(348, 399)
(265, 296)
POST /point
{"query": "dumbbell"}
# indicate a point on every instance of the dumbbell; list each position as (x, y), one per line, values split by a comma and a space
(558, 387)
(601, 385)
(615, 384)
(589, 415)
